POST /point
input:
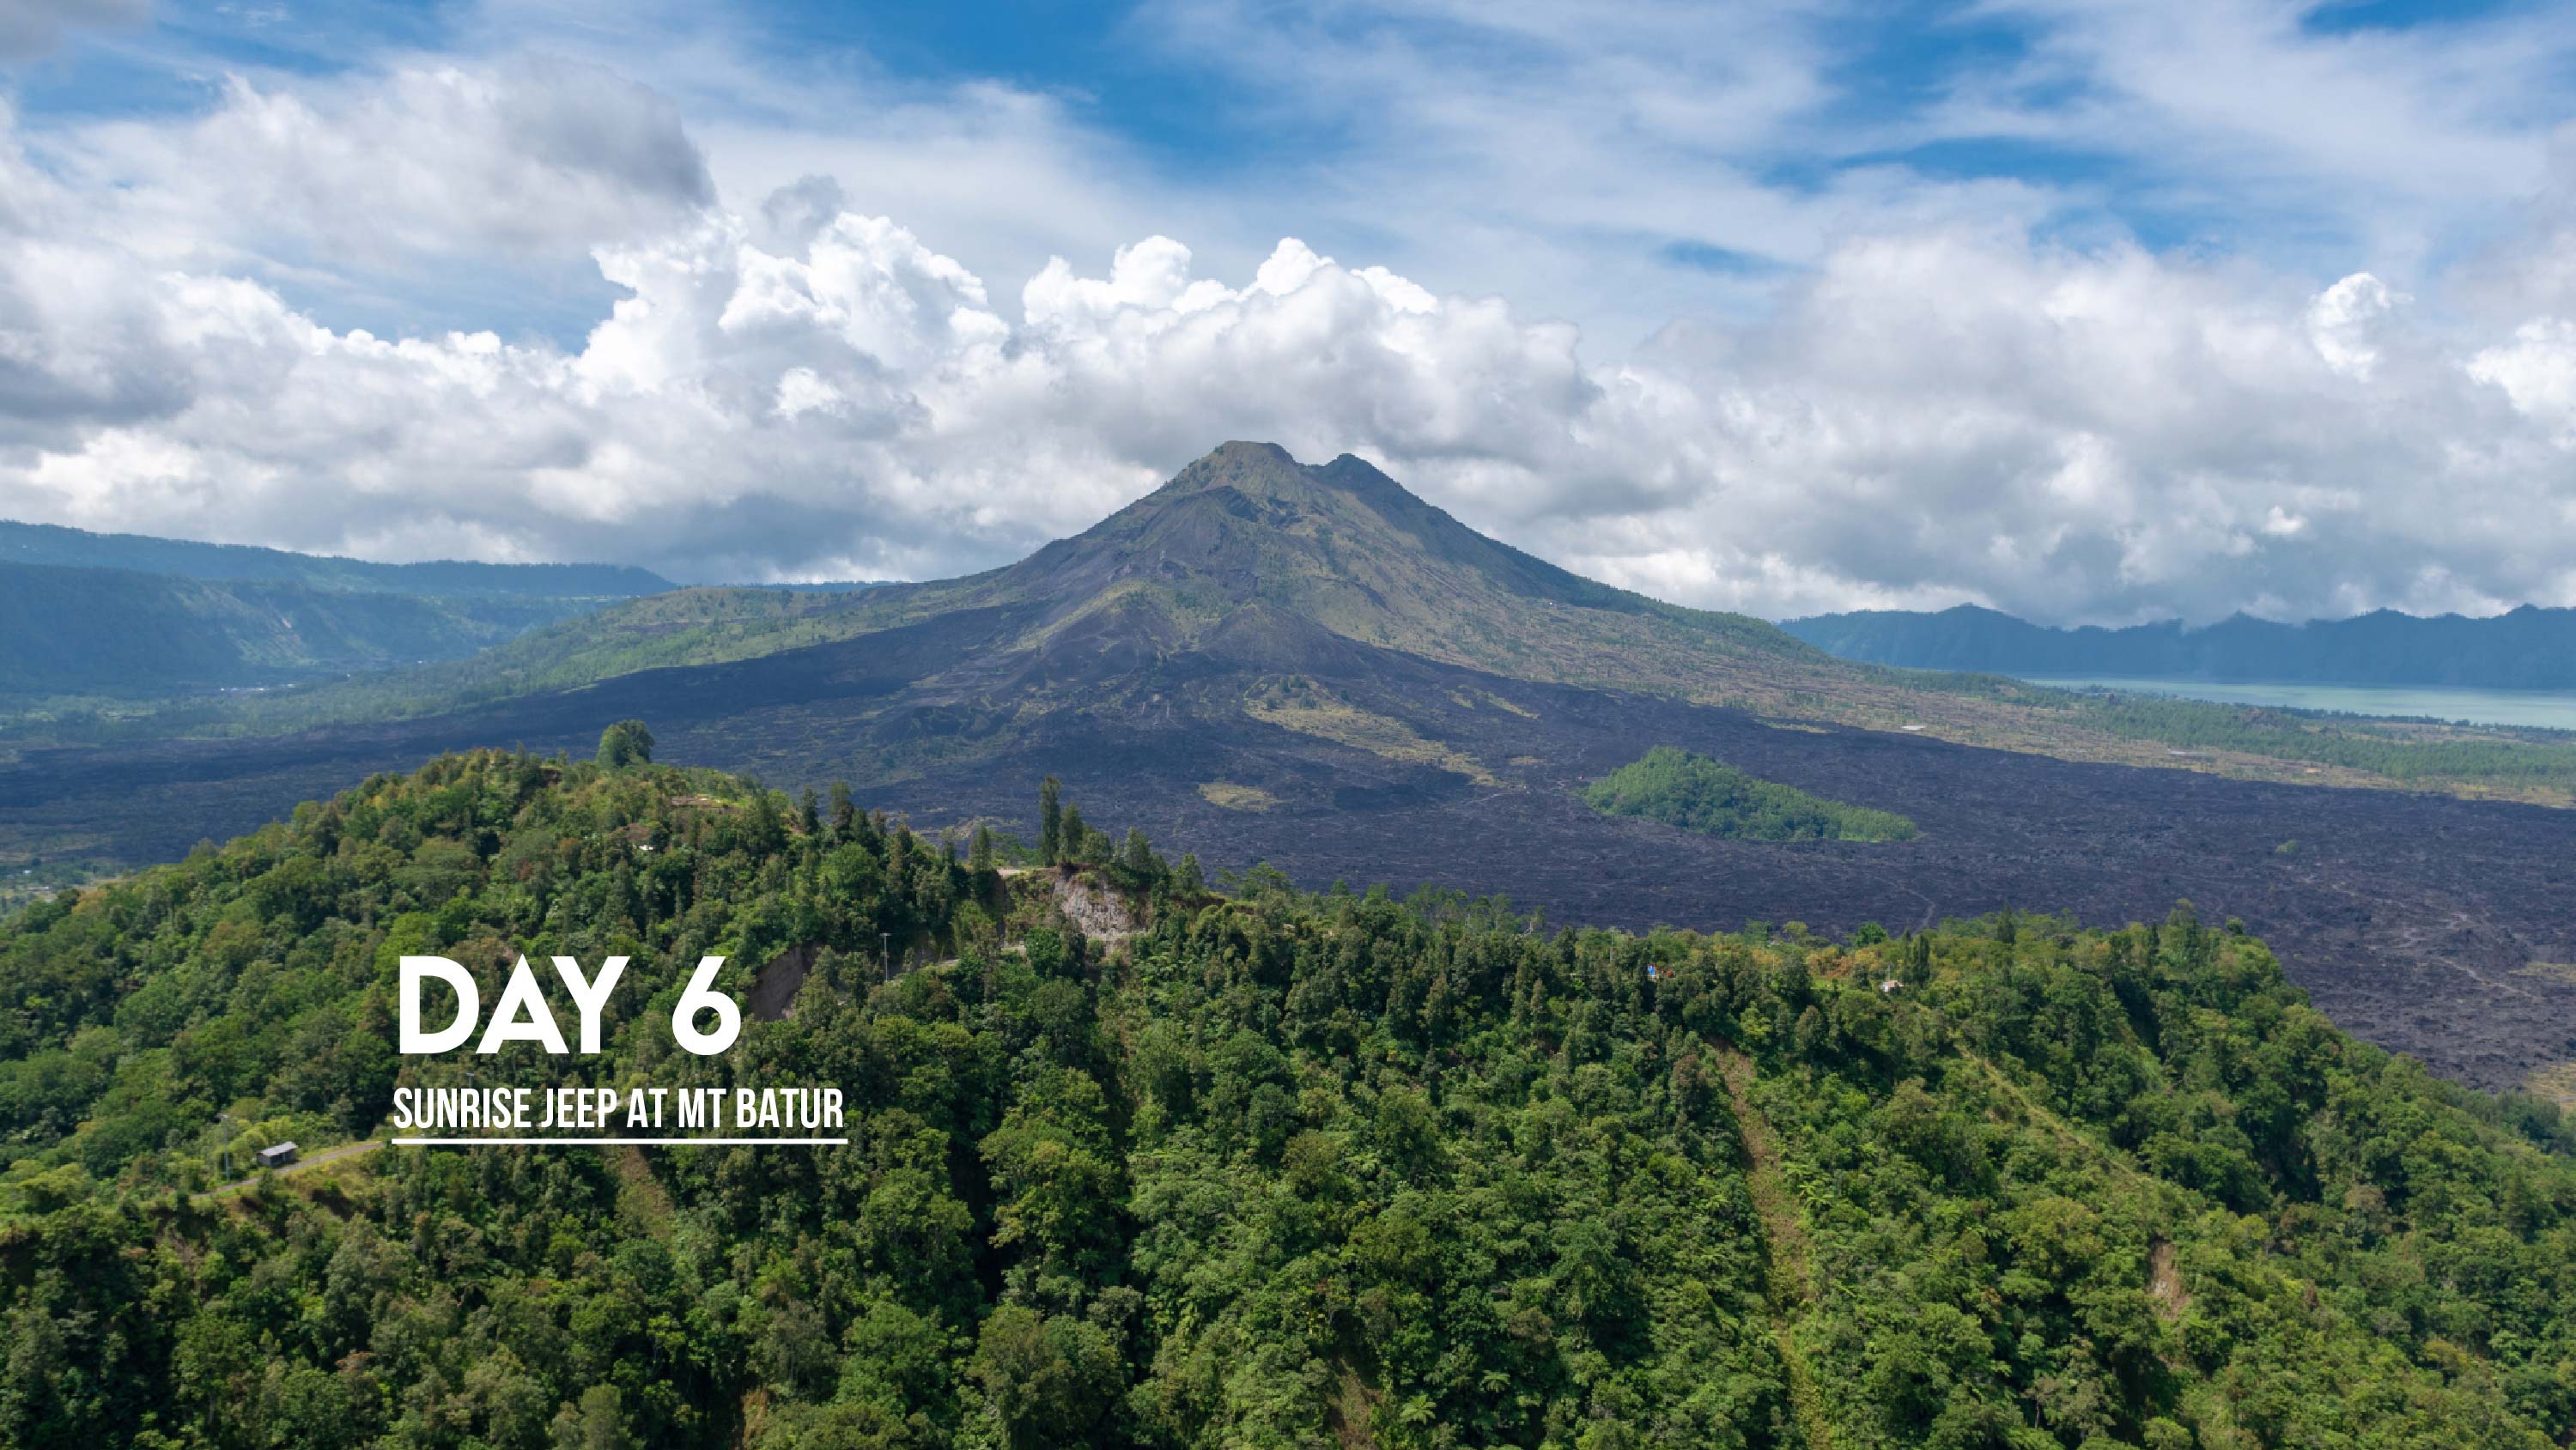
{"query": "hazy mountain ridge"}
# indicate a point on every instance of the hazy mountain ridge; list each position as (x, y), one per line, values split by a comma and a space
(119, 632)
(133, 617)
(64, 547)
(2529, 648)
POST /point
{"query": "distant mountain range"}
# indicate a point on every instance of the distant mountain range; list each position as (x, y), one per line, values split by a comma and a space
(80, 549)
(2527, 649)
(130, 616)
(119, 632)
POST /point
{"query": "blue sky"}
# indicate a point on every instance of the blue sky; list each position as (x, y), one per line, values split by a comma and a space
(2094, 309)
(1182, 98)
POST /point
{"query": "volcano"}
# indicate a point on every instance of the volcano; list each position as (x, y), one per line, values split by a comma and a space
(1343, 549)
(1264, 661)
(1249, 557)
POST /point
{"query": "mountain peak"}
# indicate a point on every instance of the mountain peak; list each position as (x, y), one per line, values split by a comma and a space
(1279, 499)
(1250, 451)
(1256, 470)
(1266, 470)
(1227, 459)
(1341, 548)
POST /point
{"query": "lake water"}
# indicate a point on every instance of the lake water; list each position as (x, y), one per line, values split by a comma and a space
(2553, 709)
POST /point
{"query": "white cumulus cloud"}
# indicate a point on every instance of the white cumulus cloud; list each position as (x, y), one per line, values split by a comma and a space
(800, 387)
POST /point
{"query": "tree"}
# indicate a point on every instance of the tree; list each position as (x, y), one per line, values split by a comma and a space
(766, 830)
(625, 743)
(979, 852)
(600, 1423)
(1047, 1379)
(1138, 861)
(1072, 836)
(1050, 821)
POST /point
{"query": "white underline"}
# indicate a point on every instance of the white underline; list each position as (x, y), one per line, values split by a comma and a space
(610, 1142)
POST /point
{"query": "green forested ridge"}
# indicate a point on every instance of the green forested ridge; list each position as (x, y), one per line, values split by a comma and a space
(1695, 793)
(1274, 1169)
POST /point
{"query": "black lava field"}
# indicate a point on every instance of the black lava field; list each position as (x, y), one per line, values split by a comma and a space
(2414, 920)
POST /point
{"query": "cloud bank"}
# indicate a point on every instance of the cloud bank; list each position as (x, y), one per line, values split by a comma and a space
(797, 387)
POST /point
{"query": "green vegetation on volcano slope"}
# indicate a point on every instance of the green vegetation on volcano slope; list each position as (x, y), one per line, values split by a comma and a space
(1275, 1170)
(1695, 793)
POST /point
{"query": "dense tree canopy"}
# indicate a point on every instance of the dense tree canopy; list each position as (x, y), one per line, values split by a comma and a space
(1259, 1169)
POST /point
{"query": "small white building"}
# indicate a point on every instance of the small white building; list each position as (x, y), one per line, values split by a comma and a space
(277, 1155)
(1890, 985)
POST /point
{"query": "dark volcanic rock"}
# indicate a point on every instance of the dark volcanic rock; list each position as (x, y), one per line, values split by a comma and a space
(2408, 917)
